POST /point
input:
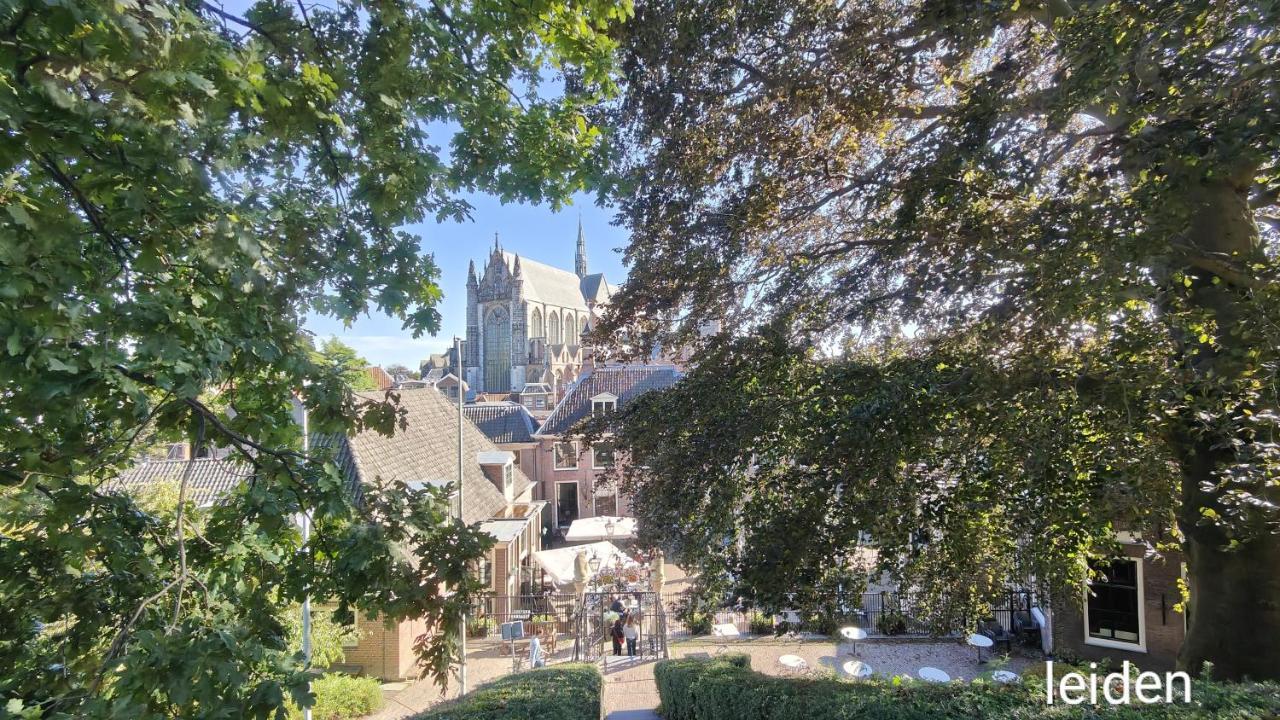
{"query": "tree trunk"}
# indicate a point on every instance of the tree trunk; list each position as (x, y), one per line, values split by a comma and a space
(1233, 568)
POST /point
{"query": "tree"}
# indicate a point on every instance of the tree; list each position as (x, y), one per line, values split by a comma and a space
(342, 360)
(399, 369)
(181, 186)
(1069, 208)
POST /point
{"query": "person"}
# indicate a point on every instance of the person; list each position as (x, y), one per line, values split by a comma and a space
(616, 634)
(632, 634)
(616, 606)
(536, 658)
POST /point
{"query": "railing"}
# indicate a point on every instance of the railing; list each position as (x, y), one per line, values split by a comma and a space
(553, 613)
(882, 614)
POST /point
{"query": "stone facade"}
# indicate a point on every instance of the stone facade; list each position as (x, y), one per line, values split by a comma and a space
(525, 322)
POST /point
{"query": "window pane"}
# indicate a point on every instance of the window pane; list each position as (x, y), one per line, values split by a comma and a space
(1113, 602)
(602, 454)
(566, 456)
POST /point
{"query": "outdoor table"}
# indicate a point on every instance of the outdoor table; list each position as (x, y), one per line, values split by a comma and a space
(858, 669)
(1004, 677)
(980, 641)
(853, 635)
(795, 663)
(933, 674)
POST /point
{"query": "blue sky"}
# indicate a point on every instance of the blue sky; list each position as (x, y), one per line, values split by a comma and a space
(532, 231)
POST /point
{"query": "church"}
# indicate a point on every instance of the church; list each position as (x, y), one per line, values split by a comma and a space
(526, 320)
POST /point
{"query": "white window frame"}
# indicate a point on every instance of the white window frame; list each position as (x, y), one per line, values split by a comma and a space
(597, 466)
(608, 403)
(577, 456)
(1141, 645)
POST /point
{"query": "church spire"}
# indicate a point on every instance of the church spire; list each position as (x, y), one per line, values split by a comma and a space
(471, 273)
(580, 258)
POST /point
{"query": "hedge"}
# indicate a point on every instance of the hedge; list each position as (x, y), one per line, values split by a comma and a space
(725, 688)
(341, 697)
(562, 692)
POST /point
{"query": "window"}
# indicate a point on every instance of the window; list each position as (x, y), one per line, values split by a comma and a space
(540, 403)
(508, 477)
(566, 455)
(1113, 605)
(604, 403)
(497, 351)
(484, 571)
(602, 455)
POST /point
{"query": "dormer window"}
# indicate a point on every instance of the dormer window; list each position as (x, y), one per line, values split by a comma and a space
(604, 403)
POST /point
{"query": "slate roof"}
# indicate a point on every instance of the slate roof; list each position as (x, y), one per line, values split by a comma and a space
(210, 479)
(425, 451)
(502, 422)
(546, 284)
(623, 381)
(596, 289)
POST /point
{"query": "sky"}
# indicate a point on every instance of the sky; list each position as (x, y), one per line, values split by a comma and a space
(535, 232)
(531, 231)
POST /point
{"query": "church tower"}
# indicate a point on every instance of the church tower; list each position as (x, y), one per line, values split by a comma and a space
(580, 258)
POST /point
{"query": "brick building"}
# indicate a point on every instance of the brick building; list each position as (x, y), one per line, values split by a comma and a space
(565, 469)
(1128, 614)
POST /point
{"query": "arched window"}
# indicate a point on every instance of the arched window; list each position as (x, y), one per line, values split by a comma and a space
(497, 351)
(553, 328)
(568, 328)
(582, 327)
(535, 324)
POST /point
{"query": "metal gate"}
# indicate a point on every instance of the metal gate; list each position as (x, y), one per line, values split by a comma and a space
(598, 613)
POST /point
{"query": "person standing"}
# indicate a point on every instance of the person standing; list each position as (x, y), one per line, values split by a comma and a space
(616, 634)
(632, 634)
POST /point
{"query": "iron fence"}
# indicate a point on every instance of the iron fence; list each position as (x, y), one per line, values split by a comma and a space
(881, 614)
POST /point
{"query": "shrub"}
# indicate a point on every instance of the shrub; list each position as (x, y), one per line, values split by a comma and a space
(339, 697)
(760, 625)
(675, 679)
(563, 692)
(725, 688)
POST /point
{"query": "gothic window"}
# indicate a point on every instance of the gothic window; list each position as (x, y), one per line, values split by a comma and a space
(553, 328)
(497, 351)
(568, 328)
(535, 324)
(582, 327)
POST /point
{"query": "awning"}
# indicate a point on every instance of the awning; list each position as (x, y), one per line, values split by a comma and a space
(558, 563)
(604, 527)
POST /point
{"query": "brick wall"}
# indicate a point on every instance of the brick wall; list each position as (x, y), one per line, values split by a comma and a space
(1164, 628)
(585, 475)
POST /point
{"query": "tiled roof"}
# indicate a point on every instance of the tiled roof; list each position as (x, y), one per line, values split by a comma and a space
(425, 451)
(502, 422)
(623, 381)
(210, 479)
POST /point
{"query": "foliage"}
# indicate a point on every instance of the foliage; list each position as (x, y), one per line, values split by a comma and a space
(694, 612)
(760, 624)
(398, 369)
(1004, 273)
(340, 697)
(340, 359)
(180, 186)
(676, 678)
(563, 692)
(328, 637)
(729, 690)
